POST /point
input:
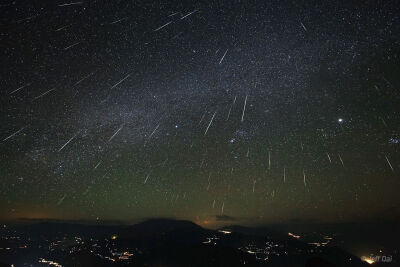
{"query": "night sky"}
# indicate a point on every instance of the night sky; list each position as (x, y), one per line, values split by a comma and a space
(245, 112)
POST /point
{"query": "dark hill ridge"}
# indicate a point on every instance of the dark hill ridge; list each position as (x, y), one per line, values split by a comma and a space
(159, 232)
(160, 226)
(168, 242)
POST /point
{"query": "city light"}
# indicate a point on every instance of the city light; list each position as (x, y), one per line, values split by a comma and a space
(368, 260)
(293, 235)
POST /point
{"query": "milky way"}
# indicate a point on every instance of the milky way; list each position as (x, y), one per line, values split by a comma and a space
(254, 111)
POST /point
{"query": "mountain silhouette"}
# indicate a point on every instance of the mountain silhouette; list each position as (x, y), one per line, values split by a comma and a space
(168, 242)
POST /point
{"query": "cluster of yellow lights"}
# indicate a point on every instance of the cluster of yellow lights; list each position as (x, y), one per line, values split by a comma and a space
(224, 231)
(125, 256)
(114, 237)
(50, 262)
(368, 260)
(293, 235)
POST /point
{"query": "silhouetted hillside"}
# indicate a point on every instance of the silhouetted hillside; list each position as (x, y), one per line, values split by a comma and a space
(166, 242)
(160, 232)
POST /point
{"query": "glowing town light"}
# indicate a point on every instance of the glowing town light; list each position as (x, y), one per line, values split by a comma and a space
(293, 235)
(368, 260)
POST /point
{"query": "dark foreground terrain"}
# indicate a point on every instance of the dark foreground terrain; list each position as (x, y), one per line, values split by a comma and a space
(164, 242)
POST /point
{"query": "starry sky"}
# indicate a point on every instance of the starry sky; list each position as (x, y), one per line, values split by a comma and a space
(236, 111)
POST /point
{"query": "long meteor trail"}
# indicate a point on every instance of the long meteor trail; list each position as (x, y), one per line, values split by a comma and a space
(123, 79)
(72, 138)
(14, 134)
(210, 123)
